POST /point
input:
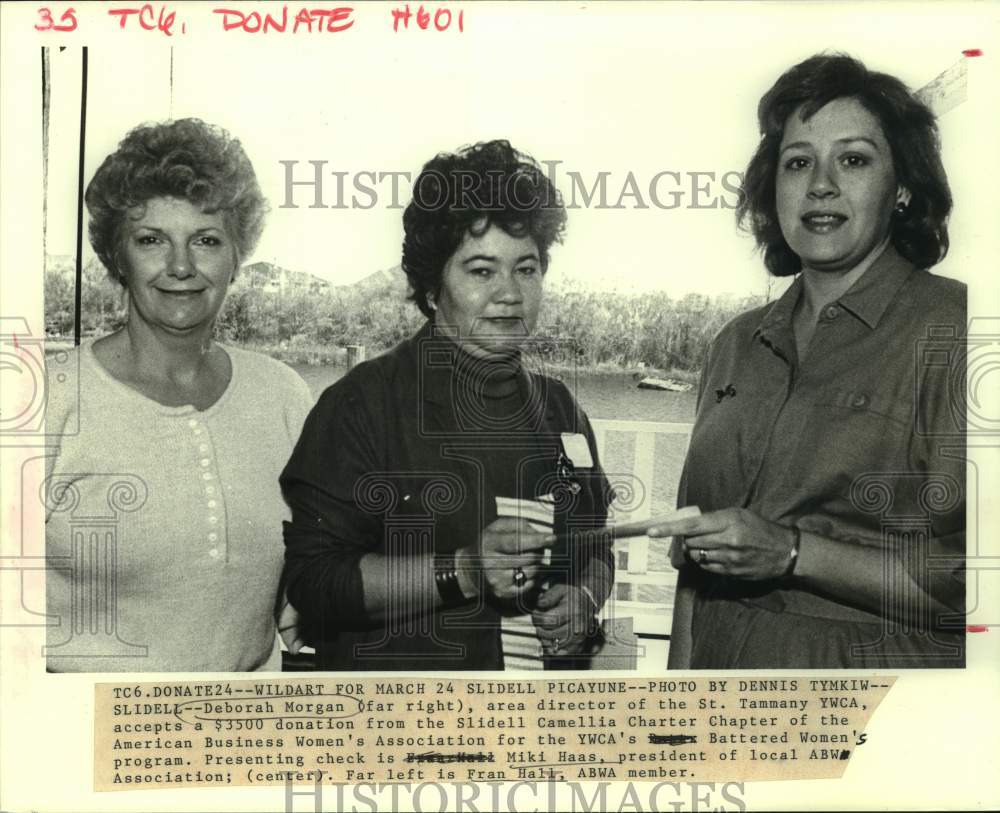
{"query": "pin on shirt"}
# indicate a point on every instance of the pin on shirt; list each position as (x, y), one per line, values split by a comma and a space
(575, 454)
(730, 390)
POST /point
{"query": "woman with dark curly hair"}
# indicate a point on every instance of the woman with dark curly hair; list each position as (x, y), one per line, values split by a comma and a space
(416, 475)
(826, 457)
(187, 433)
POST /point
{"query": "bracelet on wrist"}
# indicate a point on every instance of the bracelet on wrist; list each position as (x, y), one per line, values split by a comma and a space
(793, 555)
(446, 579)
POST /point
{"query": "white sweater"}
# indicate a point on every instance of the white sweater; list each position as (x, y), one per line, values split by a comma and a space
(163, 524)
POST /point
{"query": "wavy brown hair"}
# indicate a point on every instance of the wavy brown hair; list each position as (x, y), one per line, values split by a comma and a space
(920, 232)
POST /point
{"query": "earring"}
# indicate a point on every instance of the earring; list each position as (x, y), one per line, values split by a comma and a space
(902, 200)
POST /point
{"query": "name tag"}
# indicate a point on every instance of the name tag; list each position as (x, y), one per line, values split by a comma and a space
(576, 449)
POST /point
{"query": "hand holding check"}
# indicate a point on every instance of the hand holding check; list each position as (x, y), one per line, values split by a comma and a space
(732, 542)
(511, 555)
(624, 530)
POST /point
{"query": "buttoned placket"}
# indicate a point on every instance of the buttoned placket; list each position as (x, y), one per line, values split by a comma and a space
(781, 343)
(830, 318)
(214, 530)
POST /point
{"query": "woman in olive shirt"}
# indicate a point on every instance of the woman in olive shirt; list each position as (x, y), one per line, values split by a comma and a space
(826, 458)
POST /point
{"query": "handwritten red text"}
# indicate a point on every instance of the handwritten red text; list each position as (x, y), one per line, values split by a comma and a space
(441, 19)
(46, 22)
(328, 20)
(149, 18)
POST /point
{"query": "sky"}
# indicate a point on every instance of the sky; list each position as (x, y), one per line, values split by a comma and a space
(672, 108)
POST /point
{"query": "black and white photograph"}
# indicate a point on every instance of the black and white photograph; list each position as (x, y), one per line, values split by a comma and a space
(485, 341)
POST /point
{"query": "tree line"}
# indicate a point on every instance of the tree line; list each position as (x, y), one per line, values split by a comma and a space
(314, 324)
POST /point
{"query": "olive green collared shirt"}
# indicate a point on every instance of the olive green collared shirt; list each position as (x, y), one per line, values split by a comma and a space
(863, 441)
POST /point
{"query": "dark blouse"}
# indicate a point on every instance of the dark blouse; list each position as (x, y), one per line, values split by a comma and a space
(407, 454)
(863, 441)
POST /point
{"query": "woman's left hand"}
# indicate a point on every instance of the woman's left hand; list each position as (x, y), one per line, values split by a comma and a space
(733, 542)
(564, 619)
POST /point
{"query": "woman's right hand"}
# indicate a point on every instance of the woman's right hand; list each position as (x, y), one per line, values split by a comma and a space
(507, 547)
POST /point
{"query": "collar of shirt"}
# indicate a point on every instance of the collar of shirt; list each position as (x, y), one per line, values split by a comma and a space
(432, 360)
(433, 354)
(867, 299)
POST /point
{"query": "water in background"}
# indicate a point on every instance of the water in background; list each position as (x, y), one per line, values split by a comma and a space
(611, 396)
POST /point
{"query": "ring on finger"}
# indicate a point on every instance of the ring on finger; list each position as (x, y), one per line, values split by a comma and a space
(702, 556)
(519, 577)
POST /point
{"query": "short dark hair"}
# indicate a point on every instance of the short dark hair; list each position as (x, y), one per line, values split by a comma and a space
(920, 233)
(466, 192)
(186, 159)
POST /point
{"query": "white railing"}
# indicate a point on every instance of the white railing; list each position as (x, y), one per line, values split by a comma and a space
(627, 612)
(651, 617)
